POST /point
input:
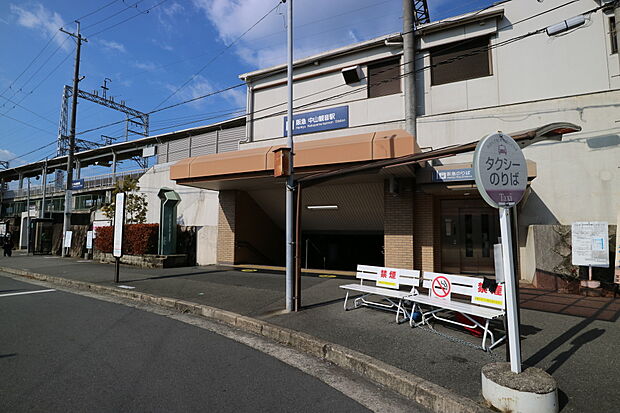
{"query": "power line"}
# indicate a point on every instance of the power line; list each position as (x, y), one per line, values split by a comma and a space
(26, 109)
(506, 42)
(96, 11)
(219, 54)
(167, 107)
(133, 5)
(29, 64)
(129, 18)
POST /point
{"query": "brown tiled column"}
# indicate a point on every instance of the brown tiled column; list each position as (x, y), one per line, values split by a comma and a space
(226, 227)
(426, 232)
(398, 226)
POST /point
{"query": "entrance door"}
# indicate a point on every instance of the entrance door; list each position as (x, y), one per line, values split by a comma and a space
(469, 230)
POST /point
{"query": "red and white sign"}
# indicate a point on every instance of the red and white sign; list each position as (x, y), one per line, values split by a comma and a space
(388, 277)
(441, 288)
(487, 298)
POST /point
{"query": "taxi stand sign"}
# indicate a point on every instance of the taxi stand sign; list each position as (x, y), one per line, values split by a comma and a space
(500, 172)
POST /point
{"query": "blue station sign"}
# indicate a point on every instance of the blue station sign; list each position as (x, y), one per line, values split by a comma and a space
(319, 120)
(449, 175)
(77, 184)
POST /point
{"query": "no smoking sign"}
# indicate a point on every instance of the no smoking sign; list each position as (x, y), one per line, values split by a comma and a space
(441, 287)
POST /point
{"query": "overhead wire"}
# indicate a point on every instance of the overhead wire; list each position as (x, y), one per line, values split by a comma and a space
(219, 54)
(508, 41)
(129, 18)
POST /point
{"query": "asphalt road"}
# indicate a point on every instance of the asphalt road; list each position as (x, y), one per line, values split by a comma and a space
(61, 351)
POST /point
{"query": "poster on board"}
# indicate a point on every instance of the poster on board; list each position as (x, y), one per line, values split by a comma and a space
(590, 244)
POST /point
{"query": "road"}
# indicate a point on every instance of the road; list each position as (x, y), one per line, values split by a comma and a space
(62, 351)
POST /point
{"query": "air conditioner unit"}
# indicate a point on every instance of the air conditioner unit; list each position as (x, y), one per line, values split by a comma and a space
(352, 74)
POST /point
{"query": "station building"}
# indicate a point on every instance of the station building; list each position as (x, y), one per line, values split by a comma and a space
(475, 74)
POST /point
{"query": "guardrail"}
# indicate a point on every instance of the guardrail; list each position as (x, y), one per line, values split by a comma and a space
(91, 182)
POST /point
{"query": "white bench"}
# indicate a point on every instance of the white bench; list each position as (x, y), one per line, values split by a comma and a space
(387, 284)
(480, 302)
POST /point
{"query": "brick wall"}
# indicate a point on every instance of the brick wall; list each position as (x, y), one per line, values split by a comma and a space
(226, 227)
(426, 232)
(398, 226)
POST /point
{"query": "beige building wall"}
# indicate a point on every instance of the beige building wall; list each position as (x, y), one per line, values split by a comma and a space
(198, 207)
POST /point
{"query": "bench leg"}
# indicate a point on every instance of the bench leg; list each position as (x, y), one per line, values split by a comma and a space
(403, 309)
(484, 336)
(345, 301)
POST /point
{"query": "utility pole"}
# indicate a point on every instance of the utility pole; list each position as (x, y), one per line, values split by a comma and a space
(409, 66)
(290, 180)
(76, 79)
(617, 19)
(28, 219)
(44, 183)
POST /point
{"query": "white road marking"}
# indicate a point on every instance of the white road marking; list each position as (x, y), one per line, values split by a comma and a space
(127, 287)
(27, 292)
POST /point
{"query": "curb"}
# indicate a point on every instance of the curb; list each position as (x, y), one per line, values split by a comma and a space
(431, 396)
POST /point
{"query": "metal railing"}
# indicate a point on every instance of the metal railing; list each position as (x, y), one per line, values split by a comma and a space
(91, 182)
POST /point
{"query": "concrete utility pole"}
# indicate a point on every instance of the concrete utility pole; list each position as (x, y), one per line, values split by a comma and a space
(290, 181)
(76, 79)
(617, 18)
(409, 66)
(44, 184)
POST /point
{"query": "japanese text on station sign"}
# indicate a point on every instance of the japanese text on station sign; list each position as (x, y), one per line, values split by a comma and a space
(500, 170)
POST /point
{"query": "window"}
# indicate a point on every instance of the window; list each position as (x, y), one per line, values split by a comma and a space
(454, 62)
(384, 78)
(612, 34)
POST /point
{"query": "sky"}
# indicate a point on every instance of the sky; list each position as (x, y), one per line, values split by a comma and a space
(160, 52)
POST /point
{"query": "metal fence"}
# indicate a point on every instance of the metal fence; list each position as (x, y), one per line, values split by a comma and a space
(92, 182)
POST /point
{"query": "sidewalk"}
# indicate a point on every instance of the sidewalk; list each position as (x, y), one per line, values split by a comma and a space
(574, 338)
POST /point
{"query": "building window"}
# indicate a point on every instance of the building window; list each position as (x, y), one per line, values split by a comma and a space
(384, 78)
(612, 34)
(454, 62)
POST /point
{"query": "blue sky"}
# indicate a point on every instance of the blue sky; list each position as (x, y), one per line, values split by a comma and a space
(160, 47)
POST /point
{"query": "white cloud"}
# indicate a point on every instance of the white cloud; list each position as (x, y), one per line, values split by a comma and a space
(148, 66)
(319, 25)
(113, 46)
(202, 86)
(167, 14)
(6, 154)
(173, 9)
(38, 18)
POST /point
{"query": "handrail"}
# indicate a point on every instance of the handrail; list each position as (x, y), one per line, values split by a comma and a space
(95, 181)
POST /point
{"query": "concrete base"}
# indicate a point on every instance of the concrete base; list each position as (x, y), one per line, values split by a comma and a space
(531, 391)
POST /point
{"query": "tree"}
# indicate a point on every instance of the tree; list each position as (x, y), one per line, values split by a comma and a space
(135, 202)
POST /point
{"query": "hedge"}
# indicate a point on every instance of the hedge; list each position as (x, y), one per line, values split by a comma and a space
(138, 239)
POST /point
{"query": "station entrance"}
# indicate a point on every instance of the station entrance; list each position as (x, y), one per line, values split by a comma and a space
(469, 228)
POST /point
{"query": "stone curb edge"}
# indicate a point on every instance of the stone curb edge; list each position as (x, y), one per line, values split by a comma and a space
(432, 396)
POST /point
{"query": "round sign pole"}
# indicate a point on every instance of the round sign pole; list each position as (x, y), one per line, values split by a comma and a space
(514, 342)
(500, 171)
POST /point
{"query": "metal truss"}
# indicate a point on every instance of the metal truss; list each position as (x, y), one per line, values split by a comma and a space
(420, 10)
(136, 122)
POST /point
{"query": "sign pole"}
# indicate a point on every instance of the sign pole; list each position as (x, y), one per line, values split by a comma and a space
(500, 171)
(118, 268)
(514, 341)
(119, 221)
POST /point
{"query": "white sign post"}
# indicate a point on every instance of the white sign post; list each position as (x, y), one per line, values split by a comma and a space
(617, 260)
(119, 221)
(68, 239)
(500, 171)
(590, 247)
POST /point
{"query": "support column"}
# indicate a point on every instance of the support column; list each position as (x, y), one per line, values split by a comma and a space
(426, 233)
(226, 227)
(398, 214)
